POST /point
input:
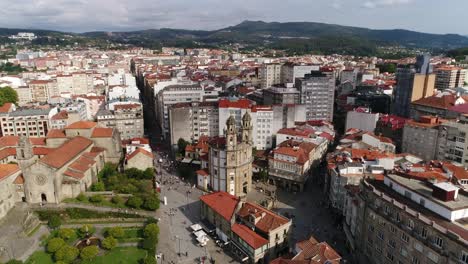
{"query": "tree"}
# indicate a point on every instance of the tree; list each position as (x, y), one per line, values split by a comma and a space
(54, 222)
(181, 144)
(134, 202)
(117, 199)
(89, 252)
(14, 261)
(81, 197)
(86, 229)
(67, 233)
(55, 244)
(149, 244)
(148, 173)
(151, 203)
(98, 187)
(109, 243)
(116, 232)
(151, 230)
(149, 260)
(8, 95)
(67, 254)
(96, 198)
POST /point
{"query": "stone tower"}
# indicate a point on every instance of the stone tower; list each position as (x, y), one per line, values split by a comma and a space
(247, 129)
(231, 133)
(24, 153)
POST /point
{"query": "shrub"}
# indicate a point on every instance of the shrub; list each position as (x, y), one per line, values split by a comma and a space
(98, 187)
(81, 197)
(151, 203)
(55, 244)
(14, 261)
(151, 230)
(89, 252)
(54, 221)
(109, 243)
(134, 202)
(96, 198)
(60, 262)
(116, 232)
(117, 199)
(67, 233)
(149, 244)
(149, 260)
(66, 254)
(89, 229)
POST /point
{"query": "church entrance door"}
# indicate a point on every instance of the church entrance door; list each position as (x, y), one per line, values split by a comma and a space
(43, 198)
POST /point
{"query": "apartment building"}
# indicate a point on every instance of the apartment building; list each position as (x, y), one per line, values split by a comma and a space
(42, 90)
(290, 71)
(421, 138)
(414, 82)
(452, 141)
(126, 118)
(281, 95)
(362, 118)
(269, 74)
(27, 122)
(404, 220)
(317, 91)
(449, 77)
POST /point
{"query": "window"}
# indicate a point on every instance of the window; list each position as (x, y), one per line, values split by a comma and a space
(403, 252)
(424, 232)
(410, 224)
(415, 260)
(404, 237)
(464, 257)
(380, 235)
(398, 218)
(393, 229)
(392, 243)
(438, 242)
(389, 256)
(418, 247)
(433, 257)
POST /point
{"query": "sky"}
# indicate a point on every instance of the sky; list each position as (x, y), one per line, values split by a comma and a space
(433, 16)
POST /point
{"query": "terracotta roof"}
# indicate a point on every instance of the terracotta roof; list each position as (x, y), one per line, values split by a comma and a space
(42, 150)
(317, 253)
(203, 172)
(102, 132)
(222, 203)
(240, 103)
(140, 140)
(82, 125)
(56, 133)
(74, 174)
(19, 179)
(441, 102)
(250, 237)
(140, 151)
(97, 149)
(7, 170)
(268, 220)
(68, 151)
(60, 115)
(6, 108)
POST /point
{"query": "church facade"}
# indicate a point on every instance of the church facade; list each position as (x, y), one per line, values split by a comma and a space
(230, 159)
(64, 164)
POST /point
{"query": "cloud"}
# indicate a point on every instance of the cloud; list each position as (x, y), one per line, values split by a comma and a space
(384, 3)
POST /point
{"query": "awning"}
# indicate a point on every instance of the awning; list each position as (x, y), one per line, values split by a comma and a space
(196, 227)
(186, 160)
(196, 162)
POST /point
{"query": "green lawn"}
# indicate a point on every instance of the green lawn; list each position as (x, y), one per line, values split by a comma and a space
(104, 203)
(40, 257)
(119, 255)
(132, 235)
(127, 255)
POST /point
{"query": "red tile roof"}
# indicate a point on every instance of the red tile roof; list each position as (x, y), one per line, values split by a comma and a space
(140, 151)
(250, 237)
(60, 115)
(203, 172)
(67, 152)
(268, 220)
(82, 125)
(7, 170)
(42, 150)
(6, 108)
(56, 133)
(102, 132)
(222, 203)
(240, 103)
(19, 179)
(441, 102)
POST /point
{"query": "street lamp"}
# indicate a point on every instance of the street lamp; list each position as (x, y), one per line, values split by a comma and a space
(178, 238)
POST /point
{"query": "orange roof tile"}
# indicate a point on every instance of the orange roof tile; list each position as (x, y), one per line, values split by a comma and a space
(82, 125)
(250, 237)
(56, 133)
(65, 153)
(6, 108)
(222, 203)
(140, 151)
(7, 170)
(102, 132)
(268, 220)
(19, 179)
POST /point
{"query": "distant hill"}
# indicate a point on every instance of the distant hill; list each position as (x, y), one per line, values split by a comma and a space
(291, 36)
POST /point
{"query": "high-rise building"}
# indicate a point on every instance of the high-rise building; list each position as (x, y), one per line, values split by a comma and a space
(413, 83)
(270, 74)
(317, 93)
(449, 77)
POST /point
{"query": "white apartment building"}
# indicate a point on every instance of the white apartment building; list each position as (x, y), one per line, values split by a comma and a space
(27, 122)
(269, 74)
(291, 71)
(449, 77)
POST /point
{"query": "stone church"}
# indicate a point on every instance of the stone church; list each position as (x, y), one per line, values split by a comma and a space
(65, 164)
(229, 166)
